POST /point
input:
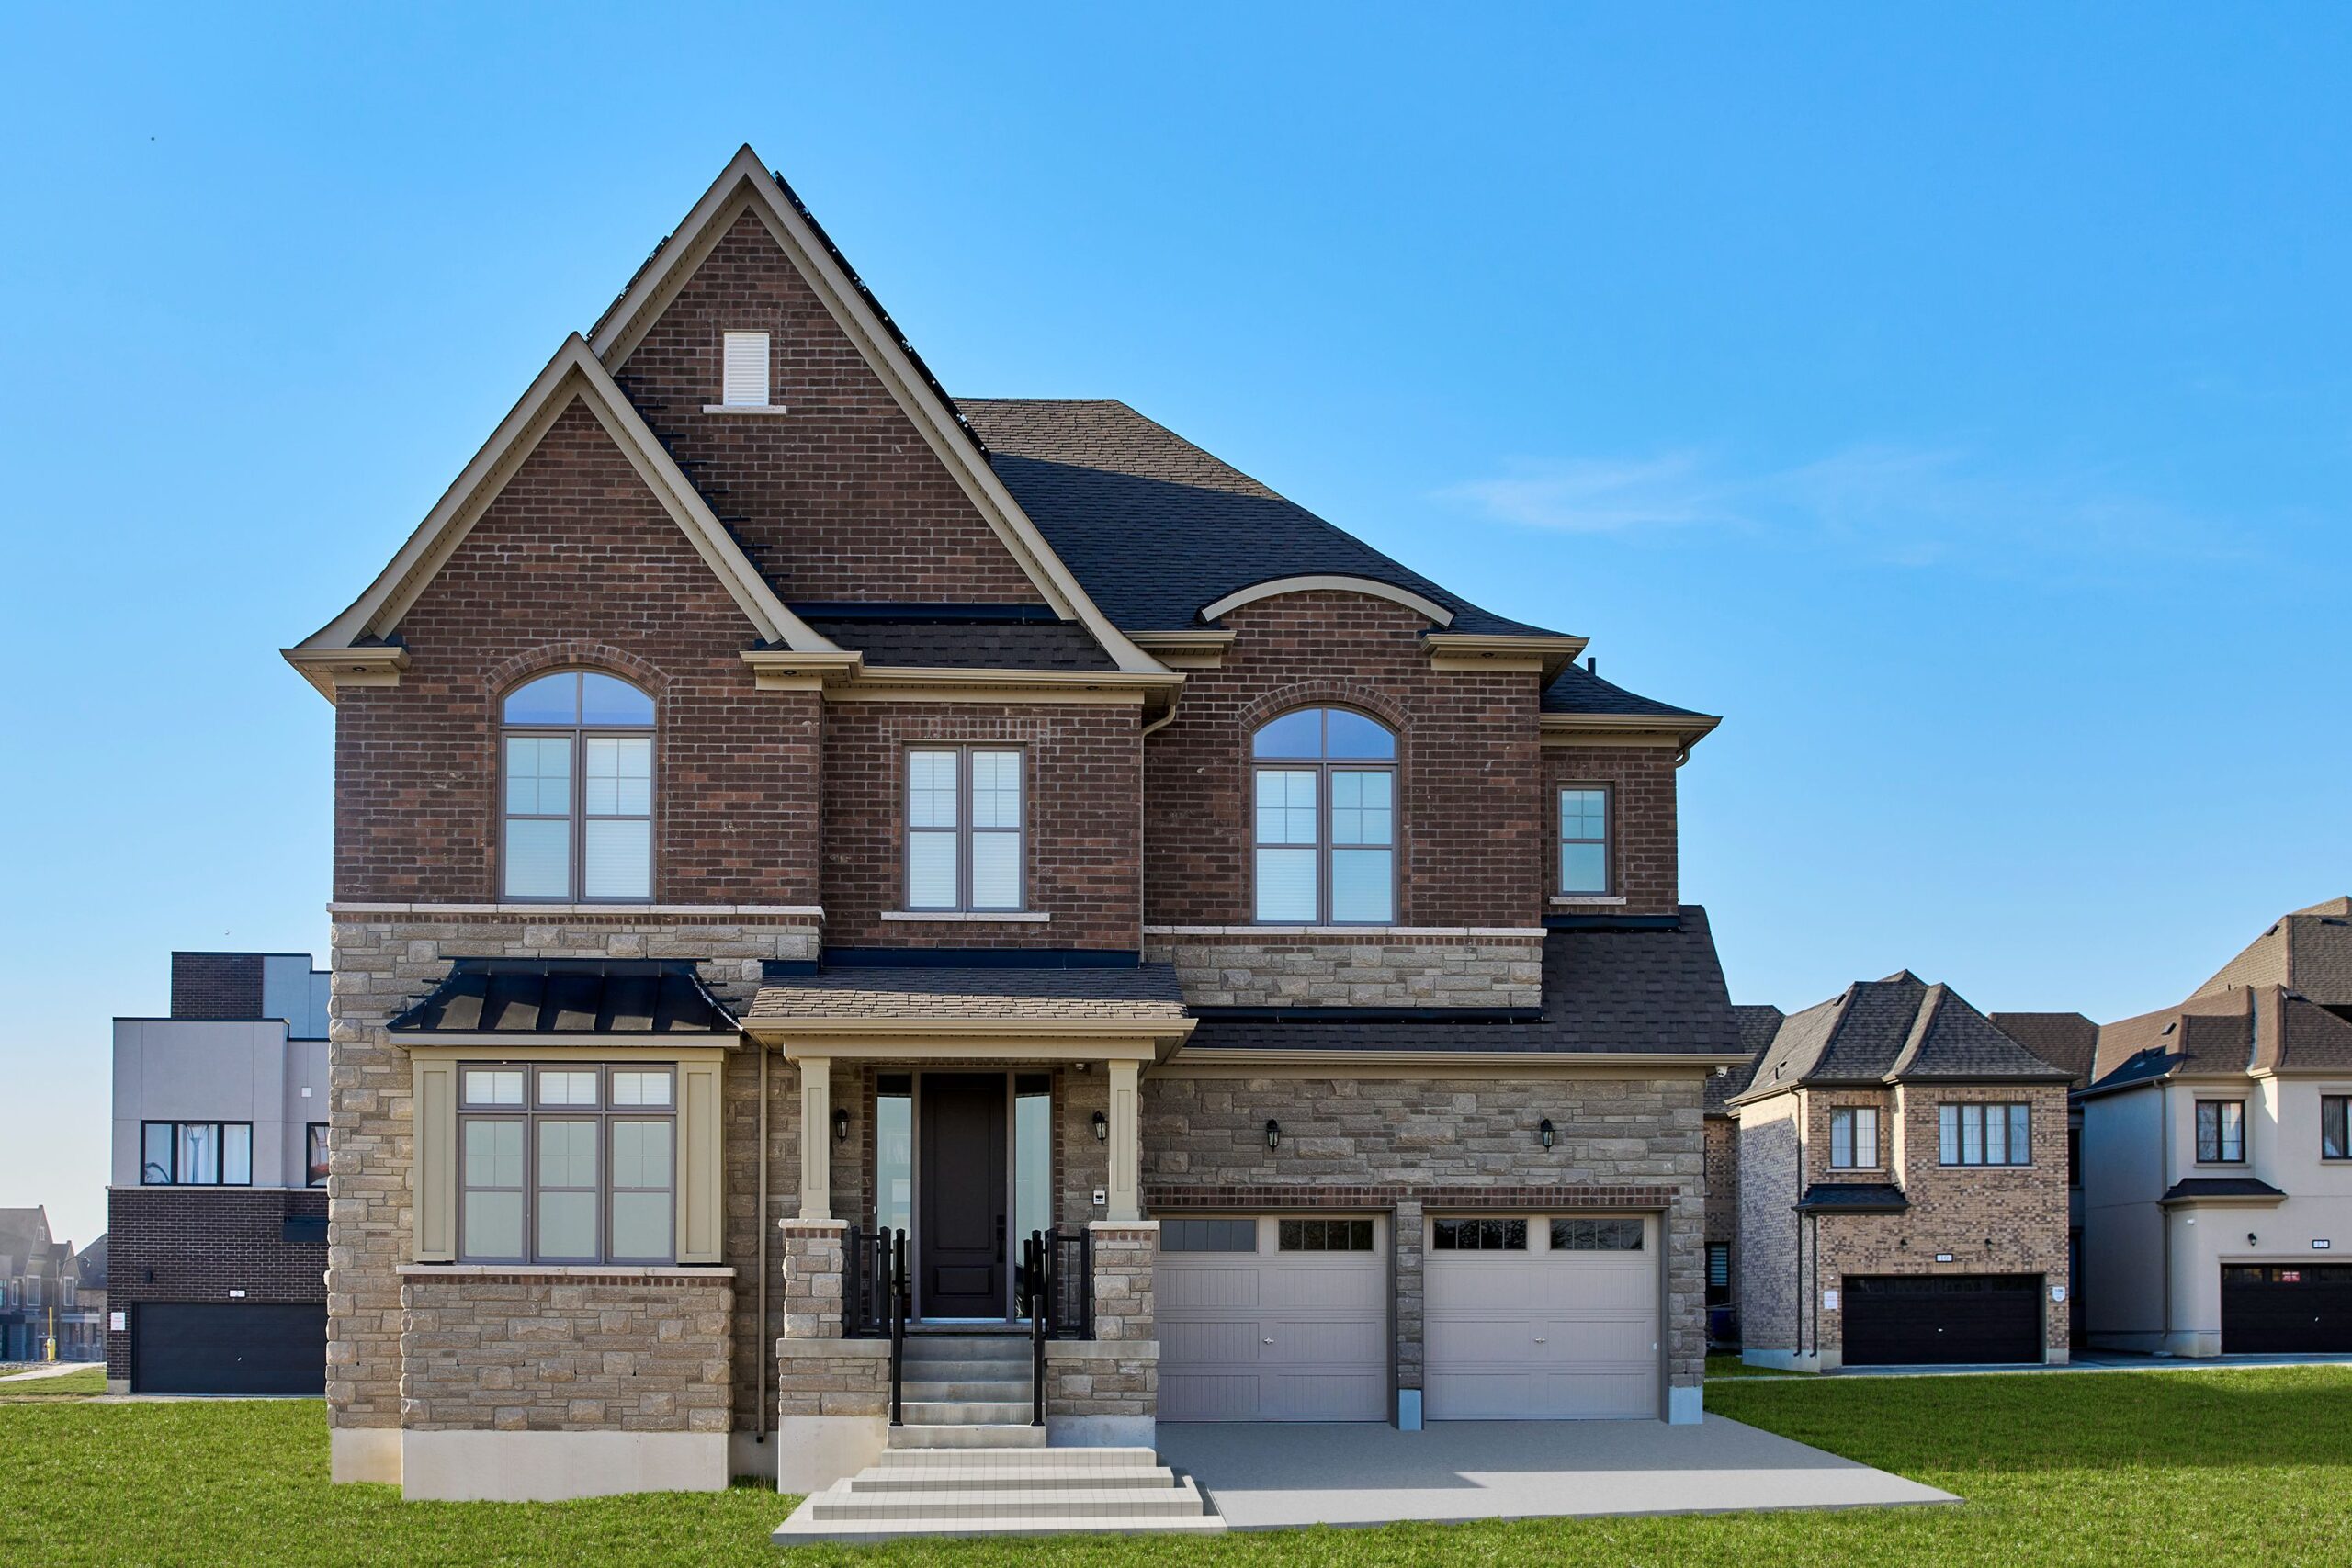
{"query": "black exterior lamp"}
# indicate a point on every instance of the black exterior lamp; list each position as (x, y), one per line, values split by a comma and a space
(1544, 1130)
(841, 1125)
(1102, 1128)
(1273, 1134)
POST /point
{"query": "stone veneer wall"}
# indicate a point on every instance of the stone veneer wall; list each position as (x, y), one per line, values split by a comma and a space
(632, 1350)
(1327, 967)
(386, 956)
(1410, 1146)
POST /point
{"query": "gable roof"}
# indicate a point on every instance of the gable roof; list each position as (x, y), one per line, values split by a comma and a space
(746, 185)
(1898, 1030)
(1161, 530)
(2308, 951)
(574, 374)
(2066, 1039)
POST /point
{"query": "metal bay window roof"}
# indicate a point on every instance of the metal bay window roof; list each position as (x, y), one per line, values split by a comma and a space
(661, 996)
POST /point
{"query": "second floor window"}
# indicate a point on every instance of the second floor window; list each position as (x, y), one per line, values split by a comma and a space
(578, 765)
(572, 1163)
(2220, 1131)
(1325, 820)
(964, 828)
(196, 1154)
(1583, 841)
(2335, 1135)
(1985, 1134)
(314, 1154)
(1853, 1138)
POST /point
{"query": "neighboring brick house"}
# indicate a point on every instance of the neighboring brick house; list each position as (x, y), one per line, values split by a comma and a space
(1902, 1188)
(216, 1205)
(1758, 1023)
(815, 807)
(41, 1293)
(2217, 1159)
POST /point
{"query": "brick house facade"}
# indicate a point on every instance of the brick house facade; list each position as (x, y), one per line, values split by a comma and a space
(1328, 1012)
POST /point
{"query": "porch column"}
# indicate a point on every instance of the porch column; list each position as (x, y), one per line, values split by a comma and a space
(816, 1138)
(1126, 1144)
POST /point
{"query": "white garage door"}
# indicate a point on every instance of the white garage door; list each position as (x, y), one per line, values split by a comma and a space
(1541, 1318)
(1272, 1319)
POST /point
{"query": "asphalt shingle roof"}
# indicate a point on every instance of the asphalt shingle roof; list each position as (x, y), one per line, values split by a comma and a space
(2194, 1187)
(1143, 993)
(1758, 1023)
(1853, 1198)
(1578, 690)
(1900, 1029)
(1155, 527)
(569, 996)
(2065, 1040)
(1647, 990)
(968, 645)
(2250, 1029)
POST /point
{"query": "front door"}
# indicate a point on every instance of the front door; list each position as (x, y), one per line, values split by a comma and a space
(962, 1232)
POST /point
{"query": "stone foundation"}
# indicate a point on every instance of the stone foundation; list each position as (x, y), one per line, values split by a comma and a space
(1337, 967)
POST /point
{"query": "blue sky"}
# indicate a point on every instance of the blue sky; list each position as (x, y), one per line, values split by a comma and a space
(1957, 398)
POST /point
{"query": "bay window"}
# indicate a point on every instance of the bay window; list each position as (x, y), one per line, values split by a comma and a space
(569, 1163)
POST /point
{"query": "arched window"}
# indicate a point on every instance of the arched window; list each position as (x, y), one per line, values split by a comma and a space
(1326, 836)
(577, 753)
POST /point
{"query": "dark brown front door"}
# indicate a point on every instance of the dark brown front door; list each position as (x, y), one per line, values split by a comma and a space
(962, 1238)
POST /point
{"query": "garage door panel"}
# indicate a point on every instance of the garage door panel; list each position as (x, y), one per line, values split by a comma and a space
(1275, 1336)
(1470, 1342)
(1593, 1292)
(1331, 1341)
(2287, 1309)
(1209, 1343)
(1481, 1286)
(1598, 1341)
(229, 1347)
(1941, 1319)
(1359, 1288)
(1541, 1334)
(1215, 1285)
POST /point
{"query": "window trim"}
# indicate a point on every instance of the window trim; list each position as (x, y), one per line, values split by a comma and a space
(1608, 842)
(965, 830)
(2220, 1131)
(220, 1158)
(320, 1131)
(1958, 1111)
(576, 822)
(2343, 1103)
(1323, 766)
(531, 1115)
(1853, 1113)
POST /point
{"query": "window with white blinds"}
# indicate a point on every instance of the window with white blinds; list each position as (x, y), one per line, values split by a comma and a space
(964, 829)
(746, 370)
(578, 757)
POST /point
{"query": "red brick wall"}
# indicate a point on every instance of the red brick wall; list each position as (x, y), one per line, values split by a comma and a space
(1083, 800)
(215, 985)
(201, 1244)
(841, 497)
(1644, 869)
(1471, 838)
(575, 562)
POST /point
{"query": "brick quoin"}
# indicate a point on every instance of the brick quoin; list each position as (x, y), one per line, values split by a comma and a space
(1470, 837)
(839, 499)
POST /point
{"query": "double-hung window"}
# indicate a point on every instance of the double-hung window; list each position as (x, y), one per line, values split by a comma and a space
(1985, 1134)
(964, 829)
(1324, 795)
(1583, 841)
(2220, 1131)
(567, 1163)
(1853, 1138)
(196, 1154)
(578, 765)
(2335, 1126)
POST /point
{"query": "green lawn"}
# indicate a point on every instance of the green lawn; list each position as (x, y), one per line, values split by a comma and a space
(2142, 1467)
(1722, 1366)
(90, 1379)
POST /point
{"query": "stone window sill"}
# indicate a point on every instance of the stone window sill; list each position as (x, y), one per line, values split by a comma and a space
(969, 916)
(563, 1271)
(541, 911)
(1588, 898)
(743, 408)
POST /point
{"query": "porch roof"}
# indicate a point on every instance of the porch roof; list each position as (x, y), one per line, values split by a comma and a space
(1132, 994)
(651, 997)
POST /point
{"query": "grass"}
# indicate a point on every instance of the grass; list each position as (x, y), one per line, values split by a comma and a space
(2214, 1466)
(1721, 1368)
(90, 1379)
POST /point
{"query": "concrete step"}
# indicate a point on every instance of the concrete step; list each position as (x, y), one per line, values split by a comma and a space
(999, 1391)
(980, 1473)
(945, 1372)
(801, 1530)
(1135, 1503)
(994, 1353)
(1020, 1459)
(967, 1437)
(965, 1411)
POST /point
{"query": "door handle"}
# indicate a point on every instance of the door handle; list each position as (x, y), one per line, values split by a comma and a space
(1269, 1341)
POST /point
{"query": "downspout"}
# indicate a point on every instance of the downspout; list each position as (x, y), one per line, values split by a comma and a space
(759, 1330)
(2164, 1215)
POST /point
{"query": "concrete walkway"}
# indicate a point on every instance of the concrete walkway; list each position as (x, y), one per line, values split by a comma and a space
(1264, 1476)
(56, 1369)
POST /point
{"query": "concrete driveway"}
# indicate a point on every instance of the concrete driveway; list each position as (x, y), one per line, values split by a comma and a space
(1267, 1476)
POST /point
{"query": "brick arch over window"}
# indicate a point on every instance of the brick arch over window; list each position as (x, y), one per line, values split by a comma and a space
(577, 653)
(1325, 695)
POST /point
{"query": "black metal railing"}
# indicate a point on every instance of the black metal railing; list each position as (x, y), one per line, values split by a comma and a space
(1066, 1276)
(901, 1302)
(1032, 1277)
(867, 1284)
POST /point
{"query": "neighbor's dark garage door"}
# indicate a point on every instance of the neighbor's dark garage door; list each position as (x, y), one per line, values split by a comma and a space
(2293, 1307)
(1930, 1319)
(229, 1347)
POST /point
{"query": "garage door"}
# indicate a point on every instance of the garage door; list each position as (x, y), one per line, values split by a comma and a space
(1941, 1319)
(229, 1347)
(1274, 1319)
(1541, 1318)
(2297, 1308)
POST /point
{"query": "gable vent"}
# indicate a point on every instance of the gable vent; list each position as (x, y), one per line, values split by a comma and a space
(746, 378)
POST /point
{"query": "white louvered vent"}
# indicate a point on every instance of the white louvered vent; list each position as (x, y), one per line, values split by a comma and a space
(746, 370)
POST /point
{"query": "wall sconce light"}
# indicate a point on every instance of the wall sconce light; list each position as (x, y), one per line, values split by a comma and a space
(1273, 1134)
(1544, 1130)
(841, 1125)
(2249, 1238)
(1102, 1128)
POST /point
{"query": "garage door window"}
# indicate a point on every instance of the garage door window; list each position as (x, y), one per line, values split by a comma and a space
(1596, 1236)
(1208, 1236)
(1326, 1235)
(1481, 1236)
